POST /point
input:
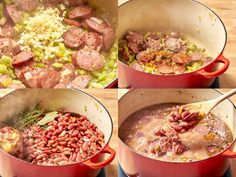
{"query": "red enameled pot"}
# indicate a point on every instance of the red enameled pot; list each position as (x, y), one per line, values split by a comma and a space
(71, 101)
(194, 20)
(136, 165)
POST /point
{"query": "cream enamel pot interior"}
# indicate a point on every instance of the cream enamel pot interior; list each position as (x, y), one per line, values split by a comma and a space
(71, 101)
(195, 21)
(136, 165)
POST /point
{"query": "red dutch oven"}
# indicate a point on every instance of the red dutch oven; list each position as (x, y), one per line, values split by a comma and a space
(136, 165)
(194, 20)
(69, 100)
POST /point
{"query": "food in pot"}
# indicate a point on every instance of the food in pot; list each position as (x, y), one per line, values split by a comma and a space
(170, 133)
(53, 138)
(161, 53)
(55, 44)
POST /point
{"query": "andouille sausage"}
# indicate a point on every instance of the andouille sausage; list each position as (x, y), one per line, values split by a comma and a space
(8, 47)
(74, 37)
(22, 58)
(81, 81)
(173, 44)
(7, 30)
(135, 37)
(80, 12)
(13, 13)
(88, 59)
(93, 41)
(27, 5)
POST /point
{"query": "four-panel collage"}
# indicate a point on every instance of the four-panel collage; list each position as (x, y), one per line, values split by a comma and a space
(117, 88)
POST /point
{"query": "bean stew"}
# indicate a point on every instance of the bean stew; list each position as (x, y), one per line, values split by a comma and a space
(167, 132)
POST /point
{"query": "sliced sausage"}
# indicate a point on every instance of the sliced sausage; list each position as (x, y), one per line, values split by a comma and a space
(8, 47)
(30, 76)
(95, 24)
(14, 14)
(7, 30)
(146, 56)
(109, 36)
(48, 79)
(165, 69)
(137, 67)
(81, 81)
(80, 12)
(135, 37)
(72, 22)
(153, 44)
(74, 37)
(93, 41)
(22, 58)
(88, 59)
(67, 73)
(196, 56)
(133, 47)
(40, 78)
(27, 5)
(181, 58)
(76, 2)
(173, 44)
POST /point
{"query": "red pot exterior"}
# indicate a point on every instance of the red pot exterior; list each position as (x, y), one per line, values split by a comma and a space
(204, 78)
(13, 167)
(136, 165)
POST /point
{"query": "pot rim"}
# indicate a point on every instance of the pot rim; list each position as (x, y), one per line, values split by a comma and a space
(203, 160)
(77, 163)
(192, 72)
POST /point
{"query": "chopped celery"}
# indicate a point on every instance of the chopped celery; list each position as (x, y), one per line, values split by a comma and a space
(57, 65)
(6, 60)
(3, 69)
(7, 82)
(40, 65)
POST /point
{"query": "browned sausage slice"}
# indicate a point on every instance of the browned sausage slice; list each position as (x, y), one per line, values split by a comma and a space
(135, 37)
(22, 58)
(95, 24)
(27, 5)
(13, 13)
(137, 67)
(74, 37)
(8, 47)
(88, 59)
(72, 22)
(181, 58)
(109, 36)
(39, 78)
(48, 79)
(133, 47)
(153, 44)
(7, 30)
(196, 56)
(81, 81)
(80, 12)
(93, 41)
(146, 56)
(165, 69)
(173, 44)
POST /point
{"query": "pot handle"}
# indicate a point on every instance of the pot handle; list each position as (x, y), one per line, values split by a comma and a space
(99, 165)
(215, 74)
(229, 154)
